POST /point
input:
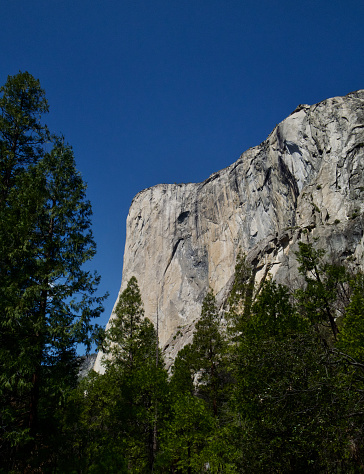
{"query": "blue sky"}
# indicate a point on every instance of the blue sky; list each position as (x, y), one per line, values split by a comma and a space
(162, 91)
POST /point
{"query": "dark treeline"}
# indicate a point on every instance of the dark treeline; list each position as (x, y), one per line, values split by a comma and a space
(273, 382)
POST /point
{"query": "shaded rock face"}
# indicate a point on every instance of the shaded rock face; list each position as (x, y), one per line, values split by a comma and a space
(307, 175)
(86, 363)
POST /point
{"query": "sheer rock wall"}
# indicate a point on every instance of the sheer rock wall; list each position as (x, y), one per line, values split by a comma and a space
(306, 178)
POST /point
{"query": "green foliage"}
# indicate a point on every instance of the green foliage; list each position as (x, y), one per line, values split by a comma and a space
(280, 397)
(208, 349)
(128, 327)
(47, 301)
(326, 291)
(274, 314)
(186, 435)
(242, 292)
(134, 389)
(199, 387)
(351, 336)
(281, 391)
(296, 404)
(289, 396)
(94, 440)
(22, 135)
(183, 372)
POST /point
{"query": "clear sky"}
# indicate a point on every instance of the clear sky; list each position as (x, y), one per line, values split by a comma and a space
(162, 91)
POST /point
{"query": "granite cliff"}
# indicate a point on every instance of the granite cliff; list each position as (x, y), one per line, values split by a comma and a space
(306, 176)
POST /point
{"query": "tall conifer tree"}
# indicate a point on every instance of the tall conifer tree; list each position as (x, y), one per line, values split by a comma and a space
(135, 384)
(47, 300)
(209, 348)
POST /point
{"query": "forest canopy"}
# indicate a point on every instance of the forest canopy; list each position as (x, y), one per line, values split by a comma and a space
(271, 383)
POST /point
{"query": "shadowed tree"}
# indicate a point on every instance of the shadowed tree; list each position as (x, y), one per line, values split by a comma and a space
(47, 300)
(135, 383)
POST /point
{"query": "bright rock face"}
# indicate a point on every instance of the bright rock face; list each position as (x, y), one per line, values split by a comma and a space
(183, 238)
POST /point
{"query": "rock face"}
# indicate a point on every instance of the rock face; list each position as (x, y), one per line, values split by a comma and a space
(183, 238)
(86, 363)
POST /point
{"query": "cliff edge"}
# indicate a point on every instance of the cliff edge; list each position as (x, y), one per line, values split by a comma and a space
(183, 238)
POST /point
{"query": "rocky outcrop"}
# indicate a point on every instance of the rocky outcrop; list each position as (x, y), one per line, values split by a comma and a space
(306, 176)
(86, 363)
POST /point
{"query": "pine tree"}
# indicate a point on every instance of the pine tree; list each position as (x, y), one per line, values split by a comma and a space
(200, 387)
(200, 367)
(135, 383)
(209, 349)
(326, 289)
(183, 372)
(125, 329)
(290, 396)
(47, 300)
(22, 135)
(241, 296)
(297, 400)
(351, 336)
(21, 138)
